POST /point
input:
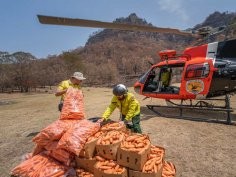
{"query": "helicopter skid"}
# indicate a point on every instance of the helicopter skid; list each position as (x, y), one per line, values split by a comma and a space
(201, 105)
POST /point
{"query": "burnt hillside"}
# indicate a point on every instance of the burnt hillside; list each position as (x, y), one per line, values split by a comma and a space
(126, 52)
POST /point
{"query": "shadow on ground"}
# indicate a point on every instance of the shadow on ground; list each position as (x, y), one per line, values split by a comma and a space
(192, 115)
(32, 134)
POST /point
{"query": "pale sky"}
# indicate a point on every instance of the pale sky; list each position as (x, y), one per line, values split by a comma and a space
(21, 31)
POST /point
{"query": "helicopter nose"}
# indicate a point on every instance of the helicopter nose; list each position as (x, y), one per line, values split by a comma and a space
(137, 87)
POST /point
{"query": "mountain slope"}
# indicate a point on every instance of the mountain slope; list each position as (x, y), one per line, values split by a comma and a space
(127, 52)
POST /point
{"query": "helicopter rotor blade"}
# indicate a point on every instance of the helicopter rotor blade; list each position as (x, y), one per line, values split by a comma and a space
(99, 24)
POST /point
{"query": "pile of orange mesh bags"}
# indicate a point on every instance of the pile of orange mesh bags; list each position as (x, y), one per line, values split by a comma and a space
(59, 143)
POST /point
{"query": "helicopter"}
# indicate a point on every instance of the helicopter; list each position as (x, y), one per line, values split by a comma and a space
(206, 71)
(201, 72)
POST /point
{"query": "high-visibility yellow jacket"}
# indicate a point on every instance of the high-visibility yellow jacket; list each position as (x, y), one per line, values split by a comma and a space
(65, 85)
(129, 107)
(165, 78)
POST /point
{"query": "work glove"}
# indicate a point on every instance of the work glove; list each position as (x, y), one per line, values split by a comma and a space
(104, 121)
(100, 120)
(127, 123)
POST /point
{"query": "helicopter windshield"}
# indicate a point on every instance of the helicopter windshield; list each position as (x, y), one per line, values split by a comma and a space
(144, 77)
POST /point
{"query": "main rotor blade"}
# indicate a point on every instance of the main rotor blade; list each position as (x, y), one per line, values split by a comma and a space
(98, 24)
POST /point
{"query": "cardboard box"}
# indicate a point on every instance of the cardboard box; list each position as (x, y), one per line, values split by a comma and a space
(86, 164)
(164, 151)
(89, 149)
(133, 173)
(99, 173)
(108, 151)
(133, 160)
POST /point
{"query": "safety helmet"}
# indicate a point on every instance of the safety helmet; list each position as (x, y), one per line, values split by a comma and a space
(119, 90)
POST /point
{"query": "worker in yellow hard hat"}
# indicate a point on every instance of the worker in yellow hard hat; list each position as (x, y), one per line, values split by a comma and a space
(129, 108)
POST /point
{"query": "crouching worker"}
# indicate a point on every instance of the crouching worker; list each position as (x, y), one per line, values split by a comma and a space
(75, 81)
(129, 108)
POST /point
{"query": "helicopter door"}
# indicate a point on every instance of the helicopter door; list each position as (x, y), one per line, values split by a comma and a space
(197, 79)
(152, 82)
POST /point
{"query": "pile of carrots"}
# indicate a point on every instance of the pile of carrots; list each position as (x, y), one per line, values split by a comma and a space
(74, 138)
(108, 166)
(43, 164)
(168, 169)
(106, 128)
(135, 143)
(113, 126)
(40, 165)
(152, 165)
(73, 106)
(111, 137)
(156, 152)
(95, 136)
(82, 173)
(57, 153)
(53, 156)
(53, 132)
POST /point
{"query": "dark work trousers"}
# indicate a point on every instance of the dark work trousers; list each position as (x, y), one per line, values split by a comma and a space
(136, 124)
(60, 105)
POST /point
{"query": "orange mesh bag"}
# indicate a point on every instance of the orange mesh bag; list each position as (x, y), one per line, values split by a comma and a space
(73, 106)
(39, 166)
(37, 149)
(59, 154)
(52, 132)
(75, 138)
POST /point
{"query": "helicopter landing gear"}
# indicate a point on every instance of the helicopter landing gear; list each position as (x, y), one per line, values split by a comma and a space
(202, 105)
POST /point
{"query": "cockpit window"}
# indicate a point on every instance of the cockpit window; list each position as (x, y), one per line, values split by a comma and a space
(226, 49)
(197, 71)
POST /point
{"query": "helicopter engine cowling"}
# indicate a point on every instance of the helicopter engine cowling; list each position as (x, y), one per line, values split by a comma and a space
(166, 54)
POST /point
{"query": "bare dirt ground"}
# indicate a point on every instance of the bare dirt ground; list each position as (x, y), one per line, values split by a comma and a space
(197, 148)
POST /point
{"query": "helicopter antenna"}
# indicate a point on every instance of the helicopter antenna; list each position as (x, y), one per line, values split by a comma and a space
(150, 63)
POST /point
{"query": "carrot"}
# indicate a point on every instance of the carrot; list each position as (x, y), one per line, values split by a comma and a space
(109, 167)
(111, 164)
(130, 138)
(100, 158)
(155, 168)
(140, 145)
(105, 167)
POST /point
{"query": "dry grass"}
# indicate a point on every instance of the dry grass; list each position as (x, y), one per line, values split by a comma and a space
(196, 148)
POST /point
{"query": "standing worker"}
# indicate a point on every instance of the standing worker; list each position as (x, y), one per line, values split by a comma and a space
(74, 81)
(129, 108)
(165, 77)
